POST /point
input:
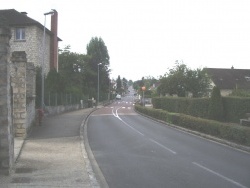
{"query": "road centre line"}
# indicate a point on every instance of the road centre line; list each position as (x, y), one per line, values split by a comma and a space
(162, 146)
(131, 126)
(219, 175)
(117, 116)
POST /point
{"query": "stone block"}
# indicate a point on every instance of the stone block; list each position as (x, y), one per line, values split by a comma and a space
(16, 115)
(20, 131)
(19, 121)
(15, 90)
(23, 115)
(19, 126)
(22, 90)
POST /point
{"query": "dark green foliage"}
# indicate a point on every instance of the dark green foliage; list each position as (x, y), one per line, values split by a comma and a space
(230, 132)
(119, 85)
(215, 110)
(235, 108)
(147, 82)
(98, 57)
(240, 93)
(182, 81)
(198, 107)
(53, 82)
(77, 76)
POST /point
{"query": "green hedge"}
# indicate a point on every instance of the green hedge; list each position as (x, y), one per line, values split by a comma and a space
(235, 108)
(231, 132)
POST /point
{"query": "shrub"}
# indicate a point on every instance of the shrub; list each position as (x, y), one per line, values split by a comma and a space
(215, 110)
(231, 132)
(233, 108)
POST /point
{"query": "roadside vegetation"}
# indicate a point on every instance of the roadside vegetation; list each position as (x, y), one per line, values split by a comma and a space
(185, 98)
(77, 76)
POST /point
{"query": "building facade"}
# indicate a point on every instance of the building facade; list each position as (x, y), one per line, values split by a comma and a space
(27, 35)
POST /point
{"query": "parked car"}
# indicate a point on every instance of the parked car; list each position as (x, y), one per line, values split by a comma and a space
(118, 97)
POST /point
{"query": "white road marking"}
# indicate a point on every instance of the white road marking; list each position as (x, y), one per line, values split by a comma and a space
(131, 126)
(117, 116)
(221, 176)
(162, 146)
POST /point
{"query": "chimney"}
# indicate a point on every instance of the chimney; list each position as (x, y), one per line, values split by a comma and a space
(24, 13)
(54, 42)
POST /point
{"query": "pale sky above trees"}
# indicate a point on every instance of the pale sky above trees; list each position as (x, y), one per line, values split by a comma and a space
(146, 37)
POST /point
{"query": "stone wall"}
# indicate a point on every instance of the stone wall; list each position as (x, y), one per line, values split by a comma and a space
(55, 110)
(33, 46)
(30, 95)
(18, 82)
(23, 80)
(6, 127)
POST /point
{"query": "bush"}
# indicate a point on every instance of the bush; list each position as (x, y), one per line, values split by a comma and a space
(215, 110)
(231, 132)
(231, 109)
(235, 108)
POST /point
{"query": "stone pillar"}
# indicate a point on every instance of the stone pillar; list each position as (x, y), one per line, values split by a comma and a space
(6, 128)
(18, 82)
(30, 95)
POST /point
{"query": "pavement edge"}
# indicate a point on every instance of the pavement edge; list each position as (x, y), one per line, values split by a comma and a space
(97, 179)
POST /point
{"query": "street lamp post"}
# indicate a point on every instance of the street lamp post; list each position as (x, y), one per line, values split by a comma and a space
(97, 101)
(43, 57)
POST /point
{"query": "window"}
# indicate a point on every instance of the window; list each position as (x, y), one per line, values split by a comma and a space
(20, 34)
(247, 78)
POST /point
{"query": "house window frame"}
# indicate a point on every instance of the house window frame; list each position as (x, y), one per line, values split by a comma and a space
(20, 36)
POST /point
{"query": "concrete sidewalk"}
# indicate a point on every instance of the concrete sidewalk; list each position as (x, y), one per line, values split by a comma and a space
(54, 155)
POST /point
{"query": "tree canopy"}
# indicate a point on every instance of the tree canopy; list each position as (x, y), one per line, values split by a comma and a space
(182, 80)
(78, 73)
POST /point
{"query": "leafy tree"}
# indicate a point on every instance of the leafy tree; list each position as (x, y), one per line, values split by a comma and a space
(98, 58)
(71, 70)
(125, 84)
(215, 109)
(53, 82)
(175, 81)
(181, 80)
(197, 82)
(119, 85)
(148, 82)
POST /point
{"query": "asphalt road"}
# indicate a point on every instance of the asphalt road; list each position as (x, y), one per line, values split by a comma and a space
(134, 151)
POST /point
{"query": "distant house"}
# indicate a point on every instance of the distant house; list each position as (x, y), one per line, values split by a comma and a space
(229, 79)
(27, 35)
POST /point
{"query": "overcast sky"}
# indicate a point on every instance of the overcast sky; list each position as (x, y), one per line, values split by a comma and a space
(146, 37)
